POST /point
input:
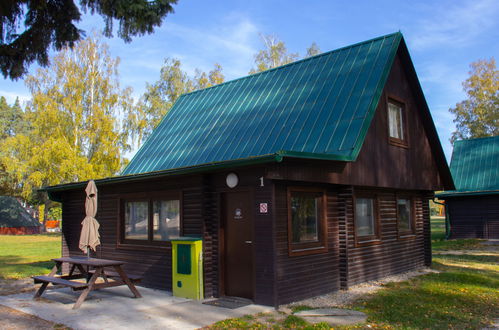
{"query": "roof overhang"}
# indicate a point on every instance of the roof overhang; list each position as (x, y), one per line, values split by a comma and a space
(54, 191)
(459, 193)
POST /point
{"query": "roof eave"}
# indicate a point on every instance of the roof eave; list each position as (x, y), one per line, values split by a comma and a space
(455, 193)
(53, 190)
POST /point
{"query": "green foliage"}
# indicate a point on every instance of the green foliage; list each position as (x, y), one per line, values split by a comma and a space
(275, 53)
(161, 95)
(313, 50)
(478, 115)
(55, 213)
(79, 121)
(12, 119)
(29, 28)
(28, 255)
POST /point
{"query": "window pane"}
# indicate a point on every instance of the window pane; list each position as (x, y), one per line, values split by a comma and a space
(395, 121)
(305, 217)
(364, 217)
(404, 214)
(166, 219)
(136, 220)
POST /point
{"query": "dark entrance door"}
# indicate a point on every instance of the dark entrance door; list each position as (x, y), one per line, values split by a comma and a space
(238, 247)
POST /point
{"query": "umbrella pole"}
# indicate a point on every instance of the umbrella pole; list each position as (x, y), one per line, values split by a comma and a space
(88, 268)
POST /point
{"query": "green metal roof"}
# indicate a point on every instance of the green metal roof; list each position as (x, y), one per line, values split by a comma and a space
(319, 107)
(475, 166)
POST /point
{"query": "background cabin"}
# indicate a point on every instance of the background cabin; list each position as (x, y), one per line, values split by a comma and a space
(473, 208)
(300, 180)
(15, 220)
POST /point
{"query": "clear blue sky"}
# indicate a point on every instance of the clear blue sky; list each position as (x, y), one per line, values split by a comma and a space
(443, 37)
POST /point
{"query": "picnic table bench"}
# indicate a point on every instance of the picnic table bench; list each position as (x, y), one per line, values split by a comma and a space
(95, 268)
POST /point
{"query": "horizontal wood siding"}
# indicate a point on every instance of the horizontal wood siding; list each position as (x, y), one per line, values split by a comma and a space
(300, 277)
(153, 264)
(474, 217)
(264, 246)
(392, 254)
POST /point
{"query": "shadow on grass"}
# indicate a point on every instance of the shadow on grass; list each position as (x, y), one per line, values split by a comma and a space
(14, 267)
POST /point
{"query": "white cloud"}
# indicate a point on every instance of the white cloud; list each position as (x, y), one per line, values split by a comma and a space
(11, 96)
(455, 24)
(230, 43)
(446, 76)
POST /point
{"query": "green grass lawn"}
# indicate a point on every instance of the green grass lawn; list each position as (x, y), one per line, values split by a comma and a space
(26, 255)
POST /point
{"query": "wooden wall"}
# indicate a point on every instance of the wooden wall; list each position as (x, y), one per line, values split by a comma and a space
(391, 254)
(473, 216)
(300, 277)
(201, 217)
(151, 263)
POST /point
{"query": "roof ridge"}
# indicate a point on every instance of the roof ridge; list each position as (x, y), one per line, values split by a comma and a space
(296, 62)
(478, 138)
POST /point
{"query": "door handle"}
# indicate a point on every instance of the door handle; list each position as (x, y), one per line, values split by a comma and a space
(248, 242)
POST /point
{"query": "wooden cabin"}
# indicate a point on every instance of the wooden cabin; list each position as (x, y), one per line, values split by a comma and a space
(472, 209)
(15, 220)
(300, 180)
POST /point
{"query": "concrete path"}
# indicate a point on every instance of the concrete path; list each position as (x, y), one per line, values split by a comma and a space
(114, 308)
(333, 316)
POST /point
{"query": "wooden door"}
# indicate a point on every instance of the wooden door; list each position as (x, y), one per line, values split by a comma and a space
(238, 247)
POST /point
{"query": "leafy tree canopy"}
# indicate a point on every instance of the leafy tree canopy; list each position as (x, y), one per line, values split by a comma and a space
(29, 28)
(79, 127)
(161, 95)
(478, 115)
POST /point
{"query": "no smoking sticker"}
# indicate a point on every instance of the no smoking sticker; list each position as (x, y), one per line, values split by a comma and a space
(264, 208)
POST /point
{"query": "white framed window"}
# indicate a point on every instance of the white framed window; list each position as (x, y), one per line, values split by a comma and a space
(396, 121)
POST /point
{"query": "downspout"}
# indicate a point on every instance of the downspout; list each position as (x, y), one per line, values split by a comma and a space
(447, 224)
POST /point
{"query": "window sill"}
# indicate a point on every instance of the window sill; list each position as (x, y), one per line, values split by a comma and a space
(399, 143)
(306, 251)
(406, 236)
(144, 247)
(368, 241)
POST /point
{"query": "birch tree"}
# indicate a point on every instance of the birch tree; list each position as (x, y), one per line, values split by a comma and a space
(478, 115)
(78, 117)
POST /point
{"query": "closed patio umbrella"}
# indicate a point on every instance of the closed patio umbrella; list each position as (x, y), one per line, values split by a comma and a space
(89, 237)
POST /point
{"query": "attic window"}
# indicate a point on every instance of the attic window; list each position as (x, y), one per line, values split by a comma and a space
(396, 123)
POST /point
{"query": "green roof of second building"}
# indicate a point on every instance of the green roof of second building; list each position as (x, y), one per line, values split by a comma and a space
(321, 105)
(475, 165)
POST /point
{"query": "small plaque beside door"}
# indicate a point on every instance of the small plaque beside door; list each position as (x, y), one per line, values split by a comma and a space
(238, 214)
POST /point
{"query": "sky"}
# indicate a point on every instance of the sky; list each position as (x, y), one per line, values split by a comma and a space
(443, 38)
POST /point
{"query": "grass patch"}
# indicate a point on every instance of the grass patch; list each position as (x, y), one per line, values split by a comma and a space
(439, 243)
(27, 255)
(463, 296)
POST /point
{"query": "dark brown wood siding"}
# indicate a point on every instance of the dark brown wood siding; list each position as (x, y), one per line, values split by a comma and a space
(153, 264)
(300, 277)
(473, 216)
(391, 254)
(200, 217)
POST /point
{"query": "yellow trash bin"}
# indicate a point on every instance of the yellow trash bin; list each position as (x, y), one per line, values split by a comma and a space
(187, 267)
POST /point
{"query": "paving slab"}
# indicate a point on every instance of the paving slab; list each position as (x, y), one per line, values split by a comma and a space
(333, 316)
(114, 308)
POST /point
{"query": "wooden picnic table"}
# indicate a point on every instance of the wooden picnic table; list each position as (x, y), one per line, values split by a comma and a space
(90, 269)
